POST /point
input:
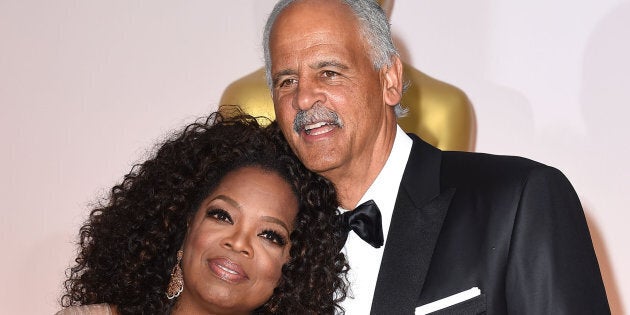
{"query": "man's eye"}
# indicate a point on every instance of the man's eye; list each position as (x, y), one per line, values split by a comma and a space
(220, 215)
(273, 237)
(330, 74)
(288, 82)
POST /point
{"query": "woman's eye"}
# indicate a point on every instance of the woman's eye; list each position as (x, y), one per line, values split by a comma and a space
(273, 237)
(220, 215)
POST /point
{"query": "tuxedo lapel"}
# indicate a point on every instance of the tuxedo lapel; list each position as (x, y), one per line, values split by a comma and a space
(416, 222)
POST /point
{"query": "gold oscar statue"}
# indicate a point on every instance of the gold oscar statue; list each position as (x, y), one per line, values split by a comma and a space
(439, 113)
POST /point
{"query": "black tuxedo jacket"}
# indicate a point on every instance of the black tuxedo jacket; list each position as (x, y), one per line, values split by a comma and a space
(512, 227)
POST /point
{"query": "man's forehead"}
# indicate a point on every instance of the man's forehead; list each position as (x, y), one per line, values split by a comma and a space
(315, 12)
(314, 50)
(305, 24)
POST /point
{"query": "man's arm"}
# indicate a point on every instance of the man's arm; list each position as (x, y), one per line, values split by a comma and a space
(552, 268)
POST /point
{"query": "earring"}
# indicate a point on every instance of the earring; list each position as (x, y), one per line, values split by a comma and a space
(176, 284)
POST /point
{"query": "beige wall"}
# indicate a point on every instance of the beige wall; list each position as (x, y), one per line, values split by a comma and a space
(87, 88)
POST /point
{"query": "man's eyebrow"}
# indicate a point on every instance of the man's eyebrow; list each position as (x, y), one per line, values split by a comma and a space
(317, 65)
(329, 63)
(281, 73)
(284, 72)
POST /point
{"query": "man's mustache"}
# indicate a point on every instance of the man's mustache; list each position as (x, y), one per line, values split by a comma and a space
(317, 113)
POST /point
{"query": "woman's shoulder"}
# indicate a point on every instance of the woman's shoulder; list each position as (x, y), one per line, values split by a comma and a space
(90, 309)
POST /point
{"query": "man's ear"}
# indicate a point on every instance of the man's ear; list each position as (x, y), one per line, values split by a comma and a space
(392, 82)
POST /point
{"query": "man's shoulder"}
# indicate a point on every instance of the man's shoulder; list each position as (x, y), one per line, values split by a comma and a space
(491, 169)
(463, 159)
(475, 167)
(487, 160)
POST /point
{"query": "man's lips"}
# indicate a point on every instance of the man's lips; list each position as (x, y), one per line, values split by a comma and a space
(318, 128)
(227, 270)
(315, 121)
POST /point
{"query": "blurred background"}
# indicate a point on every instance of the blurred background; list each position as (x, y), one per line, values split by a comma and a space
(87, 88)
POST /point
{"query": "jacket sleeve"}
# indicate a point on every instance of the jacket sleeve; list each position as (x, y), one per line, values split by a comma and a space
(551, 267)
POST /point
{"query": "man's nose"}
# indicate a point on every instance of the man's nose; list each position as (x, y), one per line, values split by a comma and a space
(309, 92)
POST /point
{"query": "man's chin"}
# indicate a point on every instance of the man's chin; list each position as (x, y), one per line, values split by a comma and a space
(319, 162)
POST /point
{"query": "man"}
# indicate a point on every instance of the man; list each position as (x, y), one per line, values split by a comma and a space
(495, 234)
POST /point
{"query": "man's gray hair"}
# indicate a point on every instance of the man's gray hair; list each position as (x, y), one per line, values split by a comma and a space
(374, 28)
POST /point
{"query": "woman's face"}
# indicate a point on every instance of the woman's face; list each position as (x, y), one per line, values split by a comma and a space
(237, 243)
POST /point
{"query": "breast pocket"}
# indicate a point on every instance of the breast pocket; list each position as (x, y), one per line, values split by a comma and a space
(476, 305)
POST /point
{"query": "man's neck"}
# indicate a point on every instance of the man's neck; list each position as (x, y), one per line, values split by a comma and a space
(352, 181)
(351, 188)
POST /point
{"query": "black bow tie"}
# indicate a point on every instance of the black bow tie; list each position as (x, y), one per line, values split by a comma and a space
(365, 220)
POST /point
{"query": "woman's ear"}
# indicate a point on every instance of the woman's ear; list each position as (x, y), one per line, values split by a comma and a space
(392, 82)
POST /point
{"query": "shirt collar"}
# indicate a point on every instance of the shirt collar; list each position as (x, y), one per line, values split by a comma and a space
(384, 189)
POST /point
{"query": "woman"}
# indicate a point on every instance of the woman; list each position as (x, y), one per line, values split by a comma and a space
(224, 219)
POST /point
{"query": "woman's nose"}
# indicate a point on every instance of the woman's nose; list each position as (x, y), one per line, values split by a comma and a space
(238, 241)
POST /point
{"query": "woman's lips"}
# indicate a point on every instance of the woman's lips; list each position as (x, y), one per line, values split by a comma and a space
(227, 270)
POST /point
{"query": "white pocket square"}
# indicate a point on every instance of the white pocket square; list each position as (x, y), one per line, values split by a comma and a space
(448, 301)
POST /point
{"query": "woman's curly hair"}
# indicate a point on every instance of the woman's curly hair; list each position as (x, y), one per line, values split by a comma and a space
(127, 247)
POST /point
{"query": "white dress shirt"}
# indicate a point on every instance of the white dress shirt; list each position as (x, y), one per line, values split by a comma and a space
(364, 259)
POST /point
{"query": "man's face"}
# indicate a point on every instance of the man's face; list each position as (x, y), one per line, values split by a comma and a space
(327, 95)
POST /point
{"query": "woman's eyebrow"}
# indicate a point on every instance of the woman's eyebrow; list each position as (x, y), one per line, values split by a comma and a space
(265, 218)
(229, 200)
(276, 221)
